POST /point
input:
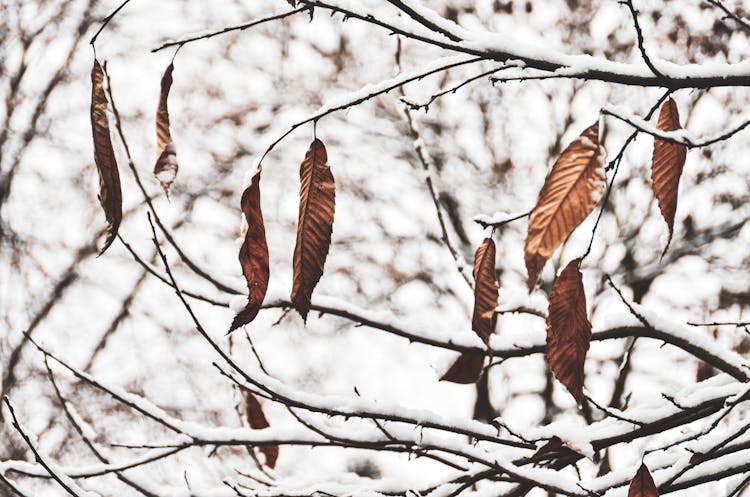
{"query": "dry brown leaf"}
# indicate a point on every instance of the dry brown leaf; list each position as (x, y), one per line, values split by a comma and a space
(554, 444)
(642, 484)
(704, 372)
(466, 369)
(485, 290)
(666, 165)
(569, 194)
(316, 209)
(468, 366)
(253, 254)
(271, 452)
(568, 329)
(257, 421)
(557, 446)
(293, 3)
(110, 195)
(166, 166)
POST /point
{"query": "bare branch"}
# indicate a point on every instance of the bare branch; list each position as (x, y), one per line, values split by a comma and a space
(736, 18)
(66, 483)
(639, 34)
(106, 21)
(681, 137)
(239, 27)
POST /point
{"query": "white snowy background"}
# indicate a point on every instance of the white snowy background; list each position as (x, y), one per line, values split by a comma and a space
(490, 147)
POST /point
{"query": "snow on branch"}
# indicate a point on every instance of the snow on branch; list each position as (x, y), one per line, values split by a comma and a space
(681, 137)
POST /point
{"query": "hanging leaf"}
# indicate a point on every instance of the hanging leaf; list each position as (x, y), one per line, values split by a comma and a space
(468, 366)
(253, 254)
(293, 3)
(485, 290)
(316, 208)
(666, 166)
(554, 444)
(568, 329)
(704, 372)
(110, 195)
(466, 369)
(166, 166)
(257, 421)
(642, 484)
(569, 194)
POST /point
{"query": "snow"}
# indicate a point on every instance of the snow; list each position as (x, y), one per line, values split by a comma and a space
(86, 429)
(680, 135)
(488, 148)
(52, 468)
(237, 303)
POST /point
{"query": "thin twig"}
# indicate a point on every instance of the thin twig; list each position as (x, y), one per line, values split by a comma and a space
(106, 21)
(678, 137)
(424, 161)
(61, 480)
(453, 89)
(484, 223)
(632, 310)
(612, 413)
(188, 262)
(736, 18)
(12, 486)
(738, 324)
(358, 98)
(639, 34)
(239, 27)
(164, 280)
(615, 164)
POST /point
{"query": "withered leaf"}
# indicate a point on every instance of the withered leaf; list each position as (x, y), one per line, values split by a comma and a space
(466, 369)
(554, 444)
(568, 329)
(704, 372)
(485, 290)
(642, 484)
(468, 366)
(253, 254)
(666, 165)
(110, 195)
(569, 194)
(166, 166)
(257, 421)
(316, 209)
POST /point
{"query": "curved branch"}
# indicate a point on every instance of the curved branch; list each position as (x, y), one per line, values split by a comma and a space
(641, 43)
(371, 91)
(725, 362)
(681, 137)
(239, 27)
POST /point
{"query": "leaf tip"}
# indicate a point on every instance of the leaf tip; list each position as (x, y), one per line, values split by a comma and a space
(465, 370)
